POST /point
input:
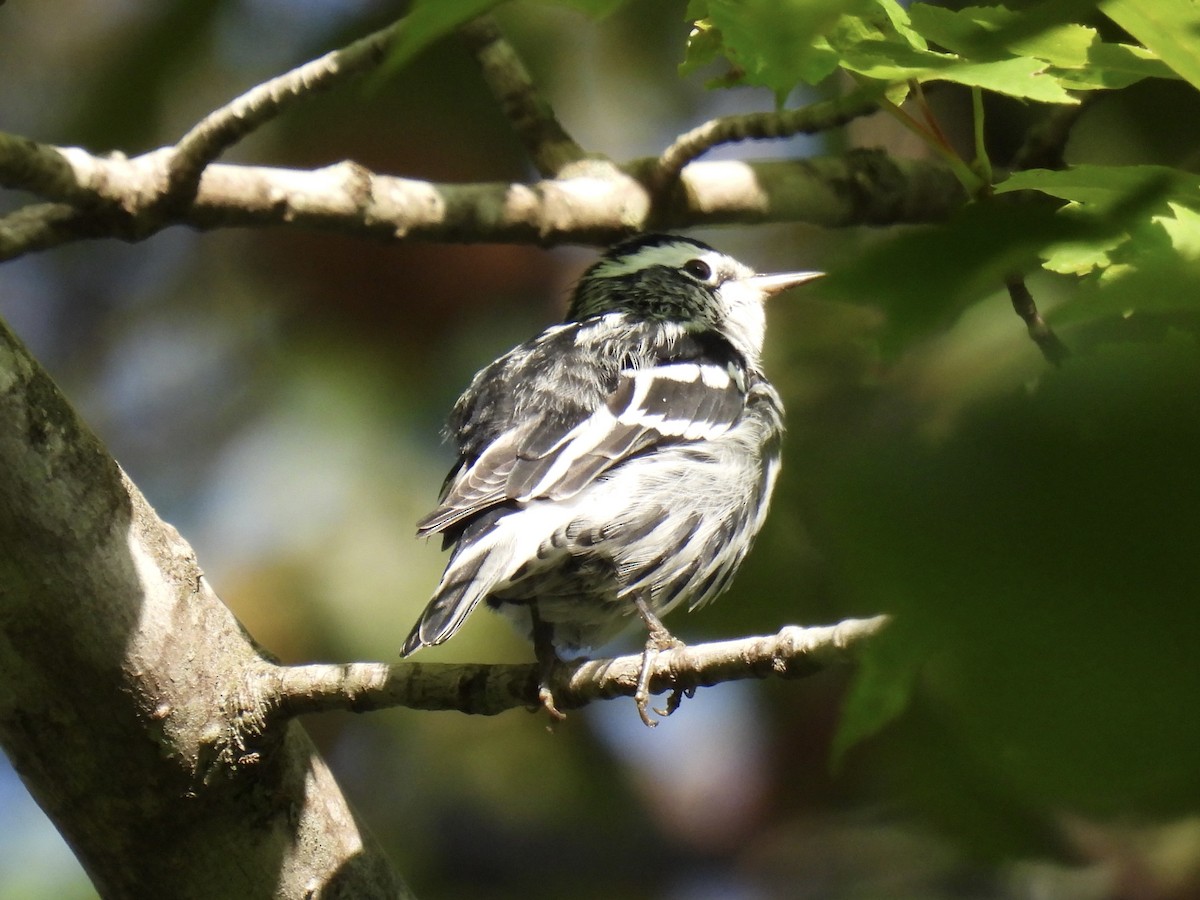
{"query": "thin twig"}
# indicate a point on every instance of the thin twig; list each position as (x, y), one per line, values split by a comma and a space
(936, 140)
(490, 689)
(547, 142)
(818, 117)
(224, 127)
(1048, 342)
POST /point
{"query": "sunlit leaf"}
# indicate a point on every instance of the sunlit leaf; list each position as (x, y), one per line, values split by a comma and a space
(988, 32)
(1081, 257)
(891, 60)
(1170, 28)
(901, 22)
(1112, 66)
(1020, 77)
(1106, 185)
(771, 42)
(1183, 228)
(1148, 211)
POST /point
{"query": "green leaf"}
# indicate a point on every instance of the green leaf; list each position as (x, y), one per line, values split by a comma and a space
(1081, 257)
(1077, 57)
(1020, 77)
(1164, 282)
(1183, 228)
(1170, 28)
(773, 43)
(923, 279)
(596, 9)
(1106, 186)
(890, 60)
(1113, 66)
(901, 23)
(994, 32)
(1146, 216)
(882, 687)
(426, 22)
(1043, 552)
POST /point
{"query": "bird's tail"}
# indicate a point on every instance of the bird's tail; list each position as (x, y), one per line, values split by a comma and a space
(477, 566)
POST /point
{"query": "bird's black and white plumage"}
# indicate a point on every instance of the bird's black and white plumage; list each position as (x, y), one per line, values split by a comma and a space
(625, 455)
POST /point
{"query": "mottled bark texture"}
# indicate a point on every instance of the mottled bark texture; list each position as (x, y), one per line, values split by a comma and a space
(123, 685)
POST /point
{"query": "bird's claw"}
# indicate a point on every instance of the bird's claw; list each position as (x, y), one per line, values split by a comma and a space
(659, 640)
(546, 699)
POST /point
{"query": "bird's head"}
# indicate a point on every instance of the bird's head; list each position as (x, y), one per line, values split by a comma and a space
(672, 278)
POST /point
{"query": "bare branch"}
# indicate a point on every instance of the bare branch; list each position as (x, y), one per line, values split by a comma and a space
(1043, 335)
(490, 689)
(818, 117)
(40, 169)
(597, 203)
(41, 226)
(548, 144)
(224, 127)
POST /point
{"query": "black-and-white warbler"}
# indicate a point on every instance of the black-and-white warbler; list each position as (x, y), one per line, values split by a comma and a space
(619, 462)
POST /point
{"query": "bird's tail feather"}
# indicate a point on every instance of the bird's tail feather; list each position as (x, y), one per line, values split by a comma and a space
(474, 569)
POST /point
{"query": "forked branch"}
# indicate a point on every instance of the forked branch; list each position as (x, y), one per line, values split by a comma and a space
(547, 142)
(224, 127)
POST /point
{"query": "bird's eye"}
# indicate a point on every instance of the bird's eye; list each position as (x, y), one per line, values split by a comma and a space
(698, 269)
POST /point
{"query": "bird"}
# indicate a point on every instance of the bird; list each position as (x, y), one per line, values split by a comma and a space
(617, 465)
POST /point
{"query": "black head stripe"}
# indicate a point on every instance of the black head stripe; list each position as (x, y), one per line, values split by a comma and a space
(642, 241)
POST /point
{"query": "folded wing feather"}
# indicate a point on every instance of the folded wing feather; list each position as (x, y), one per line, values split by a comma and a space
(671, 403)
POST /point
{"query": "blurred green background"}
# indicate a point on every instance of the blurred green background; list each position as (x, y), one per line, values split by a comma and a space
(1029, 726)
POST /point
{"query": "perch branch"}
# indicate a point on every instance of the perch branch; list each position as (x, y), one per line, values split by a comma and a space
(490, 689)
(532, 118)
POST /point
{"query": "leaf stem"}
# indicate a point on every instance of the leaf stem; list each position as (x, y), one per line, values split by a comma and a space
(983, 163)
(938, 143)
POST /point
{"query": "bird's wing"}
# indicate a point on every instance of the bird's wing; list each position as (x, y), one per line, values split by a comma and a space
(669, 403)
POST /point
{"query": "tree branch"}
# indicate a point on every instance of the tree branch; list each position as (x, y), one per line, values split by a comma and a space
(1053, 349)
(122, 677)
(490, 689)
(120, 198)
(549, 146)
(812, 119)
(41, 226)
(223, 128)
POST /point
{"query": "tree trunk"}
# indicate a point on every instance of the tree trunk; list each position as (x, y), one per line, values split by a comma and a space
(124, 687)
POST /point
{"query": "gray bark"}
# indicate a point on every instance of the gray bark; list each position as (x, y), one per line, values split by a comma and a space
(125, 685)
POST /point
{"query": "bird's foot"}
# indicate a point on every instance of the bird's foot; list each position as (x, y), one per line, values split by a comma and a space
(641, 695)
(547, 659)
(546, 698)
(659, 639)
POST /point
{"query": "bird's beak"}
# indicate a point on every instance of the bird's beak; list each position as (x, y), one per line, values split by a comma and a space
(777, 284)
